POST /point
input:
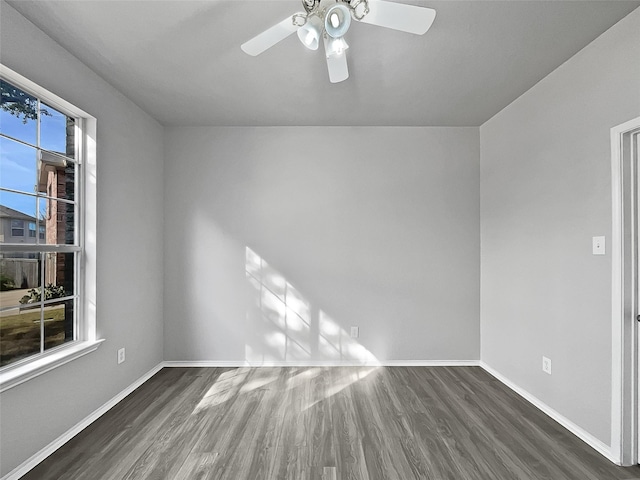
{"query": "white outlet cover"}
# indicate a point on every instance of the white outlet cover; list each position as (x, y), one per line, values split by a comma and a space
(121, 355)
(546, 365)
(355, 332)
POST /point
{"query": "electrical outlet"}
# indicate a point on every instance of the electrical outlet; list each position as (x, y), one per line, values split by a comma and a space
(546, 365)
(121, 356)
(355, 332)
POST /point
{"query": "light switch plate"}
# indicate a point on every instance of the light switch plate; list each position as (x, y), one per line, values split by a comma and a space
(598, 246)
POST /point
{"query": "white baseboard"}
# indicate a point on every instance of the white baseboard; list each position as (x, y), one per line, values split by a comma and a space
(582, 434)
(35, 459)
(322, 363)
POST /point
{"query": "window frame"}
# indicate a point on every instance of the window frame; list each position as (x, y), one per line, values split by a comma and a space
(84, 247)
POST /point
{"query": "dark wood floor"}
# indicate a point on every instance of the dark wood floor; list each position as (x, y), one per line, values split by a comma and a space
(397, 423)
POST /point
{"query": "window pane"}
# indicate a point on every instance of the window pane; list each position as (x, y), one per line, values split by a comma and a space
(59, 271)
(17, 166)
(56, 177)
(57, 131)
(19, 333)
(18, 113)
(19, 272)
(59, 221)
(17, 228)
(58, 323)
(16, 211)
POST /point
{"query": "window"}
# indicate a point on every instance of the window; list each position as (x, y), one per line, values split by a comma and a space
(17, 228)
(45, 145)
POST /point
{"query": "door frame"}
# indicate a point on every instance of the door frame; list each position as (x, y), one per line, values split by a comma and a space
(624, 258)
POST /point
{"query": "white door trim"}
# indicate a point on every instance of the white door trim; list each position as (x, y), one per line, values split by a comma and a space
(624, 384)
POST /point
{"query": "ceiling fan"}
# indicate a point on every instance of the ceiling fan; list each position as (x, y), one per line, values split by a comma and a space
(327, 21)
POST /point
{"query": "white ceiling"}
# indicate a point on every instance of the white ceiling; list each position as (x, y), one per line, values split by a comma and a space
(181, 60)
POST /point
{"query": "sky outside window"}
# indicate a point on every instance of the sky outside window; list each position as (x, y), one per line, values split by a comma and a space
(18, 162)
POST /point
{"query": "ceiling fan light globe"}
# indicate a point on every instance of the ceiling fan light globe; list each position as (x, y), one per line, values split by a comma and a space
(308, 40)
(310, 33)
(336, 47)
(337, 20)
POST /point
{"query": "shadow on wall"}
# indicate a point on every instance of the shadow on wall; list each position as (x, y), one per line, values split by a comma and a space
(285, 327)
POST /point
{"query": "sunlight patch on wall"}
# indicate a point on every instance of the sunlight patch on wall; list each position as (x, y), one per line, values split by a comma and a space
(279, 319)
(283, 326)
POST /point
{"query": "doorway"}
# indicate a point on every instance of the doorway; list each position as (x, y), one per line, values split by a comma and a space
(625, 408)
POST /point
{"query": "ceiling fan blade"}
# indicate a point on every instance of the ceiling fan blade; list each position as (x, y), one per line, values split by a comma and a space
(399, 16)
(337, 65)
(270, 37)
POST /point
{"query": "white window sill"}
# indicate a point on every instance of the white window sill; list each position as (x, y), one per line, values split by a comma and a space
(22, 373)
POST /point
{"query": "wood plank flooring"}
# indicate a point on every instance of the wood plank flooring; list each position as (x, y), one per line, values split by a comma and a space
(351, 423)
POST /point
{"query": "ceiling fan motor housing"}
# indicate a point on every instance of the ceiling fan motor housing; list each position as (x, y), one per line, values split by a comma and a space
(358, 8)
(310, 5)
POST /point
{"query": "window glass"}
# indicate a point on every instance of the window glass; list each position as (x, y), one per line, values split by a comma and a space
(17, 166)
(18, 113)
(18, 206)
(19, 334)
(57, 132)
(58, 219)
(56, 177)
(58, 323)
(19, 306)
(59, 274)
(32, 230)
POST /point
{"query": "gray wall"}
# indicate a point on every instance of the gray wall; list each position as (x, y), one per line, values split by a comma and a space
(546, 190)
(129, 279)
(373, 227)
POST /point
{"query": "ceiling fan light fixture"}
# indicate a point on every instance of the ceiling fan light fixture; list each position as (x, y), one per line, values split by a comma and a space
(329, 20)
(336, 46)
(311, 32)
(337, 20)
